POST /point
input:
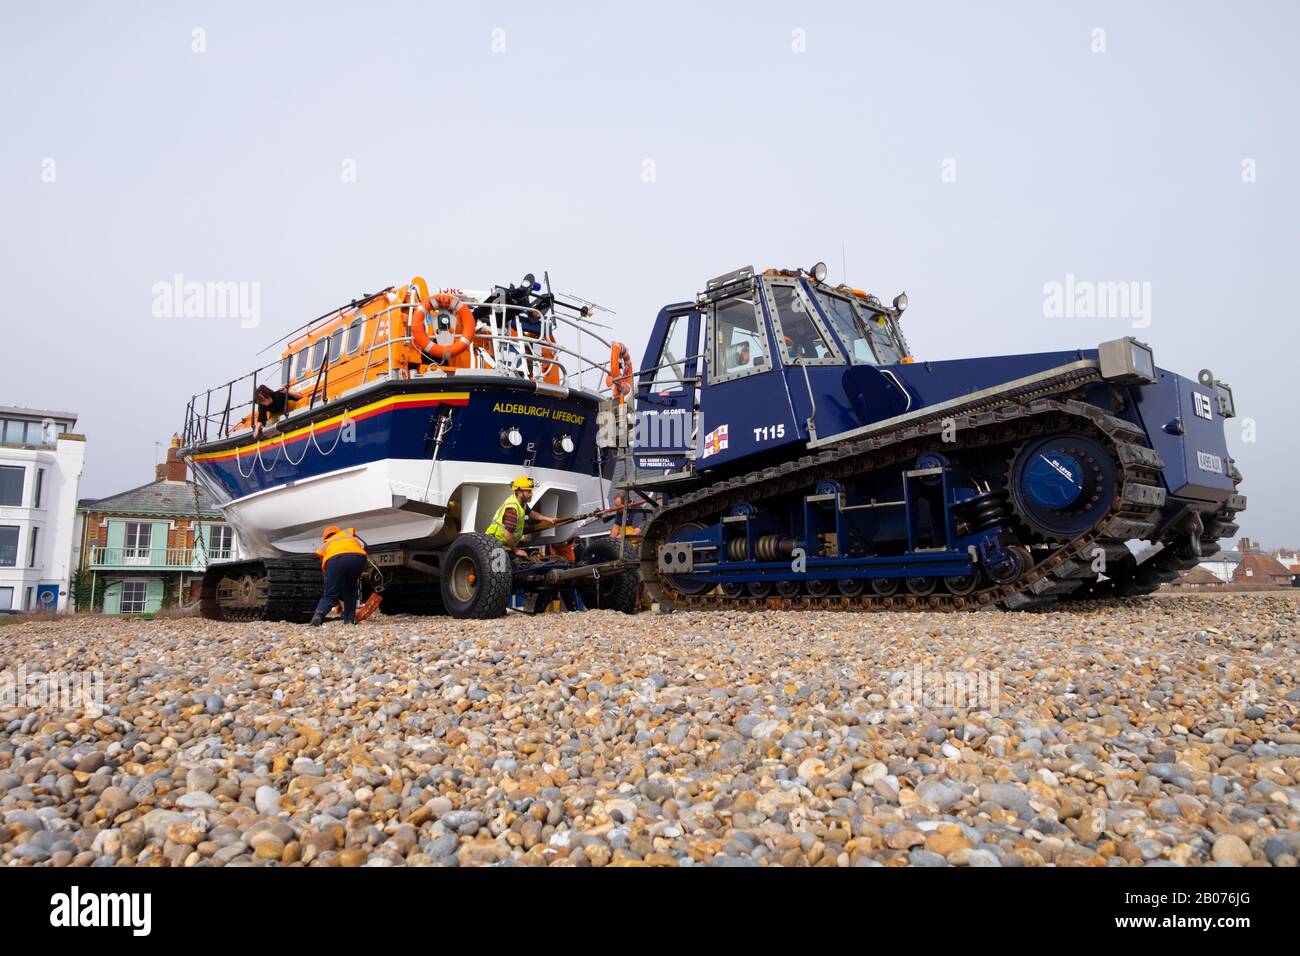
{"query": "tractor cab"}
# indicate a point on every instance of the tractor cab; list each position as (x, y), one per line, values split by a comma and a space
(762, 360)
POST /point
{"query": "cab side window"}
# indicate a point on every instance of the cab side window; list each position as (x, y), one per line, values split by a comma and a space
(672, 361)
(799, 332)
(849, 327)
(739, 341)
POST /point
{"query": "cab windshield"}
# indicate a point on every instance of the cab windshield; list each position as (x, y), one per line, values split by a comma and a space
(866, 333)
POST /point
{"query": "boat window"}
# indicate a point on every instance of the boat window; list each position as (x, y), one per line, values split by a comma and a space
(668, 377)
(336, 345)
(318, 354)
(354, 334)
(798, 330)
(849, 327)
(739, 339)
(286, 368)
(300, 369)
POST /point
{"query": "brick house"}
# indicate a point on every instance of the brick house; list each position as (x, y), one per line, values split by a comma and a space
(1261, 570)
(146, 548)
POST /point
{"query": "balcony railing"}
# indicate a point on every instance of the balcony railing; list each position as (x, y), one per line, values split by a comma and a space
(176, 559)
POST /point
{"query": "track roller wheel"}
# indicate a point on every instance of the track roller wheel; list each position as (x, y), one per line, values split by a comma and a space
(819, 589)
(687, 583)
(884, 586)
(787, 589)
(1016, 561)
(759, 589)
(921, 586)
(731, 589)
(963, 584)
(851, 588)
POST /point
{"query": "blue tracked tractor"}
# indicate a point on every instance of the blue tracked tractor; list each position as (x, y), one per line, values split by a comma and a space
(800, 458)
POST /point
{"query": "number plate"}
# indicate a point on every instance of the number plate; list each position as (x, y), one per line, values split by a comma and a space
(1208, 462)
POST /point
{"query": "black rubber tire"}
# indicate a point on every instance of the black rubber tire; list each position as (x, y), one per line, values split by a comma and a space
(484, 557)
(613, 592)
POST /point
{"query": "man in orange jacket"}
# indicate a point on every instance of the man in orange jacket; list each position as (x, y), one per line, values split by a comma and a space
(342, 559)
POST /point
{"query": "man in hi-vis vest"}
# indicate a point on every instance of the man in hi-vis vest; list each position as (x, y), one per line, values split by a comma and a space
(508, 523)
(342, 559)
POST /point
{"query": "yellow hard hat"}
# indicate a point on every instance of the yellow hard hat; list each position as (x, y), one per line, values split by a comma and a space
(330, 531)
(522, 483)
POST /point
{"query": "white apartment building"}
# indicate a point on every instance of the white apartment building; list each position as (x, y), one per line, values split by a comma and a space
(40, 470)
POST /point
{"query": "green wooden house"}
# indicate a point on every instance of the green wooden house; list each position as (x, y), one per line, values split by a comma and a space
(146, 549)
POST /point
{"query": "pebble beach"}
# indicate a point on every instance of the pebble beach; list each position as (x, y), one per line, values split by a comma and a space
(1163, 731)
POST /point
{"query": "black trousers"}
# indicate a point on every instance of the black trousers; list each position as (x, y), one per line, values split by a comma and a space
(342, 572)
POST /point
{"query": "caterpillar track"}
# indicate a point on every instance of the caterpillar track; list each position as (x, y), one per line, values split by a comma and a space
(1066, 569)
(276, 589)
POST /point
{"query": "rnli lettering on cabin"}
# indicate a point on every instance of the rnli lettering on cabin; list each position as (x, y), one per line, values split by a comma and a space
(539, 411)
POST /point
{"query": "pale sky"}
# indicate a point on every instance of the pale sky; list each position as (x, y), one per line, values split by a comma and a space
(968, 153)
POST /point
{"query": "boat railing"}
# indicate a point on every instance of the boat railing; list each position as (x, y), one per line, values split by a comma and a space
(504, 344)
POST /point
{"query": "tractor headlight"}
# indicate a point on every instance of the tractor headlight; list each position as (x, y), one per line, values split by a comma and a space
(900, 303)
(511, 437)
(563, 446)
(1227, 407)
(819, 272)
(1127, 361)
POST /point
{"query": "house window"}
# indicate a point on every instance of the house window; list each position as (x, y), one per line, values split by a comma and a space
(136, 543)
(8, 546)
(15, 432)
(11, 485)
(133, 597)
(32, 551)
(27, 601)
(6, 599)
(40, 483)
(222, 543)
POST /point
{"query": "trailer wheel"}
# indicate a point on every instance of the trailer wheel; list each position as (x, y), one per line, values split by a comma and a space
(476, 577)
(612, 592)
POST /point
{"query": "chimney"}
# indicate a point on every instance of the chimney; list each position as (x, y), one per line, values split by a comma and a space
(173, 469)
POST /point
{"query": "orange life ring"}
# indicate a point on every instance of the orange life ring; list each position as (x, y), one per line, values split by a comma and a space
(443, 303)
(620, 370)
